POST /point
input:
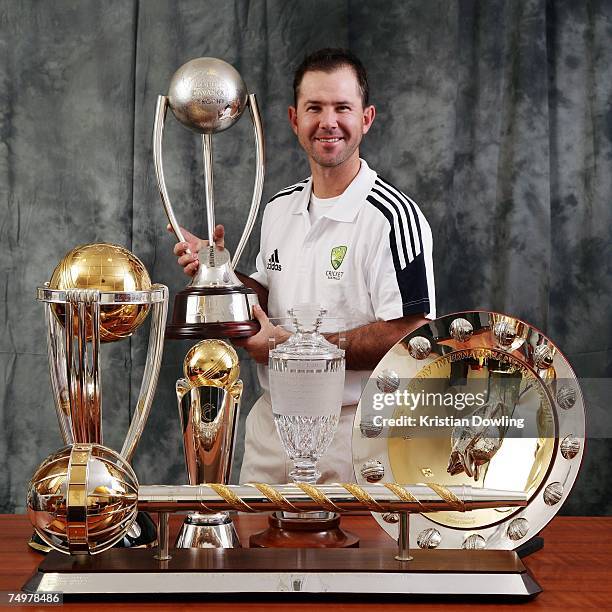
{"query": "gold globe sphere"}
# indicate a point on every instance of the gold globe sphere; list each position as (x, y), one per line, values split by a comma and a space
(104, 267)
(213, 363)
(108, 498)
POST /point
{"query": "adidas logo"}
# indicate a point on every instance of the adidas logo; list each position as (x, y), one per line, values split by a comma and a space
(273, 263)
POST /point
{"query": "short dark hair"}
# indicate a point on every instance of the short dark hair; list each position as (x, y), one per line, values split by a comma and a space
(328, 60)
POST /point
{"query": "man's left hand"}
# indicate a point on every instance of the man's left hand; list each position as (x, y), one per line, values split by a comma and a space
(258, 346)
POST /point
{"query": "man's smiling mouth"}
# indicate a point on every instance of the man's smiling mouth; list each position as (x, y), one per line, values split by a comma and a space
(331, 140)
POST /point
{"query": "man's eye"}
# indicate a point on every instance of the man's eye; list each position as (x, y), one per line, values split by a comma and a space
(312, 108)
(344, 108)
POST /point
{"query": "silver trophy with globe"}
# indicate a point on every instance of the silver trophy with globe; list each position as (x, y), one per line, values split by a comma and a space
(208, 96)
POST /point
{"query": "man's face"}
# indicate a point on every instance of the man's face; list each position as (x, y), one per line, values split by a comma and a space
(330, 119)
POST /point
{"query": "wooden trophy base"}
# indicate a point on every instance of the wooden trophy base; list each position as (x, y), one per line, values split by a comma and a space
(286, 532)
(290, 572)
(218, 306)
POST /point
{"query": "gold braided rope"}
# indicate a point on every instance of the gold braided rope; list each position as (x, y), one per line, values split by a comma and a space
(447, 496)
(274, 496)
(363, 496)
(318, 496)
(230, 497)
(404, 495)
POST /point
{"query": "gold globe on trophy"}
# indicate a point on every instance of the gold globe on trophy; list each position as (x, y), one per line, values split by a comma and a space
(212, 363)
(209, 404)
(109, 494)
(104, 267)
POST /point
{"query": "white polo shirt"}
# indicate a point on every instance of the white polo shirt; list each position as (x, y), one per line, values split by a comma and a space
(368, 258)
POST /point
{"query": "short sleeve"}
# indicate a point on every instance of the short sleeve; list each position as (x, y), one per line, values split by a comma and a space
(401, 276)
(260, 274)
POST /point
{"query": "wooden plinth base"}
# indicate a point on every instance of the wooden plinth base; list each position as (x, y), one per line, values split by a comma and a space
(303, 533)
(289, 571)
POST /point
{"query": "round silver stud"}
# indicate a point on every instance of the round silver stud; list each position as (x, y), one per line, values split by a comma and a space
(391, 517)
(372, 470)
(388, 381)
(504, 333)
(461, 330)
(429, 538)
(566, 397)
(518, 529)
(473, 542)
(419, 347)
(542, 357)
(553, 493)
(570, 447)
(369, 429)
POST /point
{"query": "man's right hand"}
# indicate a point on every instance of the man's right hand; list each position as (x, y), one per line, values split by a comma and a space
(189, 260)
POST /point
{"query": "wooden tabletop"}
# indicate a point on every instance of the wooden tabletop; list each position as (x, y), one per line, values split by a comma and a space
(574, 569)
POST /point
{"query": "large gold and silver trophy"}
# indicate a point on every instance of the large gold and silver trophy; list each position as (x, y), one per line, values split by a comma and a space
(209, 402)
(208, 96)
(100, 293)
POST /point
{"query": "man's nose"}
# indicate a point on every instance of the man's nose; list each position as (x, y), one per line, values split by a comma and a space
(328, 120)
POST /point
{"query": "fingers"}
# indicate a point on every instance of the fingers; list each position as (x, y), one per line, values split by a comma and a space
(187, 259)
(260, 315)
(219, 236)
(191, 268)
(191, 242)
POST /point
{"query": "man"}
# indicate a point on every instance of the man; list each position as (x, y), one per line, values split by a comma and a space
(345, 239)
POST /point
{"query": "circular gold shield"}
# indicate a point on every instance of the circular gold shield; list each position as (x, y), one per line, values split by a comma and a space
(474, 398)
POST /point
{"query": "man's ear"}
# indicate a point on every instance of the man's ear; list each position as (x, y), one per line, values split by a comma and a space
(369, 112)
(292, 113)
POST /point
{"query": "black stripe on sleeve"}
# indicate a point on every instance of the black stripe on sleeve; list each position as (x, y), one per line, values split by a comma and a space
(408, 257)
(408, 202)
(412, 280)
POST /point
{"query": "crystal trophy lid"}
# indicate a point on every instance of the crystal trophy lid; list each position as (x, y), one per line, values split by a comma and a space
(306, 342)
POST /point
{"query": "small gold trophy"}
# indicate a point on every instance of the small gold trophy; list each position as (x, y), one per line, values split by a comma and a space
(209, 402)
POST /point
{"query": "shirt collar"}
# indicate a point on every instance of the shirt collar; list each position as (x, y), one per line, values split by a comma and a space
(353, 198)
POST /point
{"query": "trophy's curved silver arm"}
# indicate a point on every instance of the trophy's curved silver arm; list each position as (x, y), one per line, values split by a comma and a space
(151, 373)
(260, 169)
(158, 133)
(58, 372)
(82, 365)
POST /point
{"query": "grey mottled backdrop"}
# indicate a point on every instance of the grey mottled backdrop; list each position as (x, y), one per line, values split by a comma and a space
(494, 115)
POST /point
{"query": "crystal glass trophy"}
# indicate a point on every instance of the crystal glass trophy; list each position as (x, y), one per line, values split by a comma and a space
(306, 387)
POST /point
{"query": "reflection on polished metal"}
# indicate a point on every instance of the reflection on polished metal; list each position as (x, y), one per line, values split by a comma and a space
(419, 347)
(99, 293)
(524, 376)
(86, 494)
(373, 470)
(388, 381)
(429, 538)
(209, 402)
(474, 541)
(208, 95)
(461, 329)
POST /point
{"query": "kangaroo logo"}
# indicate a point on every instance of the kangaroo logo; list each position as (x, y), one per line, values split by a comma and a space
(337, 256)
